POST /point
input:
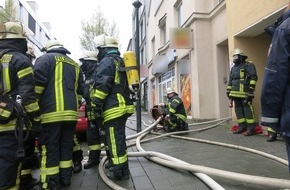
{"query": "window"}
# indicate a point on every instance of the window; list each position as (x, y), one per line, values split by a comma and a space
(31, 24)
(142, 57)
(165, 80)
(180, 18)
(153, 47)
(163, 35)
(162, 26)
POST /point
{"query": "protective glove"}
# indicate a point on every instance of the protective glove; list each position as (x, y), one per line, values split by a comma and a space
(250, 93)
(228, 93)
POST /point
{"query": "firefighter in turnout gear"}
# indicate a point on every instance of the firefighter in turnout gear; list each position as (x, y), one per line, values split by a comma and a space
(89, 68)
(16, 80)
(59, 86)
(112, 103)
(240, 88)
(176, 116)
(31, 159)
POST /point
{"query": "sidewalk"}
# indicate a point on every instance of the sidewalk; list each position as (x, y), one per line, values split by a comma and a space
(146, 175)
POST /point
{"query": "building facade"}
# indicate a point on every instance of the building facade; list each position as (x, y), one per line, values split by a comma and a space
(38, 33)
(246, 31)
(199, 71)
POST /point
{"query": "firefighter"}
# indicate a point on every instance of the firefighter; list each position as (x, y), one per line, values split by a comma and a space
(240, 88)
(31, 161)
(275, 93)
(77, 156)
(16, 80)
(176, 116)
(112, 103)
(59, 86)
(89, 67)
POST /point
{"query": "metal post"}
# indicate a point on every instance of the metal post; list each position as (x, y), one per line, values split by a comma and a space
(137, 4)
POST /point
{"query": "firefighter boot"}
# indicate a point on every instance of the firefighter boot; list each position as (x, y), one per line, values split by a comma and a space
(94, 159)
(53, 184)
(250, 132)
(119, 172)
(77, 161)
(77, 167)
(27, 182)
(272, 137)
(109, 164)
(240, 130)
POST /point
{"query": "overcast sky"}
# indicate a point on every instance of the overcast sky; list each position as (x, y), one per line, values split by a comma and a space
(65, 17)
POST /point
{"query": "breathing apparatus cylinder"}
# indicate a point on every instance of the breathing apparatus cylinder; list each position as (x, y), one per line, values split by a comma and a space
(131, 71)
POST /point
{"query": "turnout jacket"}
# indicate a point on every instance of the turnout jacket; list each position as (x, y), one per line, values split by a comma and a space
(59, 86)
(175, 107)
(242, 80)
(275, 94)
(17, 79)
(88, 88)
(111, 98)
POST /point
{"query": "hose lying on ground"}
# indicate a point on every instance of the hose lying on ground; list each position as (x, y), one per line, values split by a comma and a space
(168, 161)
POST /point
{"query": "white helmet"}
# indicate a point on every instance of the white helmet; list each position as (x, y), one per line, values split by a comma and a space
(12, 30)
(89, 55)
(52, 44)
(239, 52)
(169, 90)
(104, 40)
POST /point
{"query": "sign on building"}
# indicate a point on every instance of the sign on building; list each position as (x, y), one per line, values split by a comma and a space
(180, 38)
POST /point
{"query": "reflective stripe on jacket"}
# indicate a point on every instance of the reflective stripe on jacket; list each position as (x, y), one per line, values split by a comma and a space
(243, 77)
(59, 85)
(18, 80)
(176, 107)
(112, 94)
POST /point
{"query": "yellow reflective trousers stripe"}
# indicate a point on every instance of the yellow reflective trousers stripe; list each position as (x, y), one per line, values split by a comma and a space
(115, 158)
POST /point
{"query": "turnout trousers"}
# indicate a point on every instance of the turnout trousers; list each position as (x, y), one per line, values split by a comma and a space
(94, 141)
(116, 142)
(56, 141)
(9, 164)
(245, 113)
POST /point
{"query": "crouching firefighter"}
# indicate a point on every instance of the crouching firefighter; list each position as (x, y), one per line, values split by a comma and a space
(175, 119)
(112, 103)
(16, 81)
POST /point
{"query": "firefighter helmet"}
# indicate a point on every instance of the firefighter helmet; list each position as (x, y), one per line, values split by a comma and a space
(239, 52)
(52, 44)
(12, 30)
(169, 90)
(103, 41)
(89, 55)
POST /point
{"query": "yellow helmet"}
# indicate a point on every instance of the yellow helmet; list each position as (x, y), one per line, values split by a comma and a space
(52, 44)
(89, 55)
(104, 40)
(169, 90)
(12, 30)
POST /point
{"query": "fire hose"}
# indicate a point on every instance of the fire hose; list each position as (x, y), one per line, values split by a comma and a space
(177, 164)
